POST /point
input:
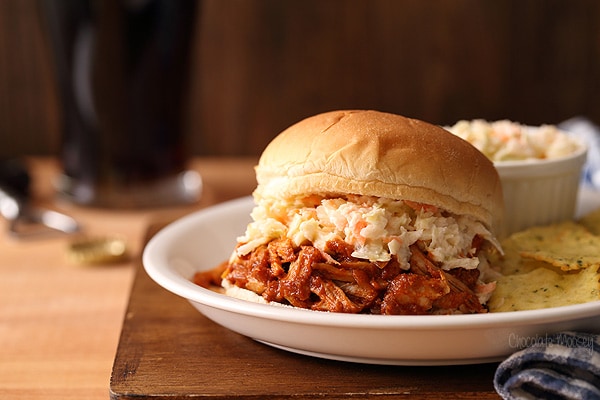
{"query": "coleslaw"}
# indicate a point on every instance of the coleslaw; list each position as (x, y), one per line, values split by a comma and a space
(377, 228)
(505, 140)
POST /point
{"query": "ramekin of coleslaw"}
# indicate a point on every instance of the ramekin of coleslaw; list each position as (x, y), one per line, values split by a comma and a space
(539, 167)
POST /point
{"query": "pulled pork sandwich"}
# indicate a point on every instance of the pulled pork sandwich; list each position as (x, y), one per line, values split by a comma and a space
(369, 212)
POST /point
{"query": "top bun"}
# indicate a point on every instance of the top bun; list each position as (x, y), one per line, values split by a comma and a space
(384, 155)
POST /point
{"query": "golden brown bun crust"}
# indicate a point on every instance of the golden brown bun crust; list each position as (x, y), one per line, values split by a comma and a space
(379, 154)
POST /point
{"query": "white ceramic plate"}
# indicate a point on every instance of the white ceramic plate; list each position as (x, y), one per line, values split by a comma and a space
(202, 240)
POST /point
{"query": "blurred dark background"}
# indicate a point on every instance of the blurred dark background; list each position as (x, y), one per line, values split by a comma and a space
(261, 65)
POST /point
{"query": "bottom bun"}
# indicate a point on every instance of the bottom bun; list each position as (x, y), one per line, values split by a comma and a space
(244, 294)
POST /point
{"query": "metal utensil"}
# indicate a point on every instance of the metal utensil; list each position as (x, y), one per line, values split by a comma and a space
(24, 219)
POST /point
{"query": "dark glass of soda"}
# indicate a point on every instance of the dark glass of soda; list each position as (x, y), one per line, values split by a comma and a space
(123, 69)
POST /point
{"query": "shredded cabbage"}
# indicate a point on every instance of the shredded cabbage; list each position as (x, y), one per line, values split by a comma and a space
(508, 141)
(377, 228)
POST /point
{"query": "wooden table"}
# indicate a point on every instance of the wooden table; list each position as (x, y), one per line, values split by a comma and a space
(69, 331)
(60, 322)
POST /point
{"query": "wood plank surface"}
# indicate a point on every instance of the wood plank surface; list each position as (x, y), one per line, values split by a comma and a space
(168, 350)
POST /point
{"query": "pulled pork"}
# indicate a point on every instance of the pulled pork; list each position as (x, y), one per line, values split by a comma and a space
(333, 280)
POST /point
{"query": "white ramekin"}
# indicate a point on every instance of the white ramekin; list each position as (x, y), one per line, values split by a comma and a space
(539, 192)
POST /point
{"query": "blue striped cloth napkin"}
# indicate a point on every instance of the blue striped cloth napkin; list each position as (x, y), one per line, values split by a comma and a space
(563, 365)
(589, 133)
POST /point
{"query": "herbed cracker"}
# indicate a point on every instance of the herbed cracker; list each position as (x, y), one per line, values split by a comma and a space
(545, 288)
(547, 266)
(591, 222)
(568, 246)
